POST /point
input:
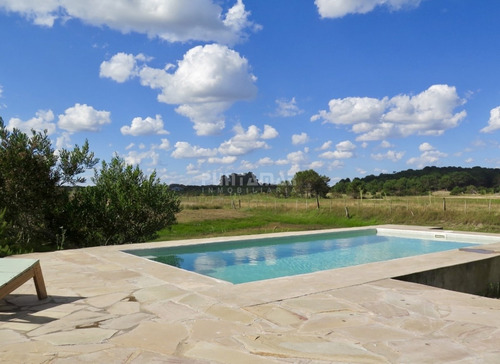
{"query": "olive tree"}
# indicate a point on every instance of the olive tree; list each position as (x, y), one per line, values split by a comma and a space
(32, 192)
(123, 206)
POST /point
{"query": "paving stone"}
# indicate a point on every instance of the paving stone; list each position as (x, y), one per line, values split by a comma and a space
(124, 308)
(129, 309)
(325, 323)
(222, 354)
(315, 304)
(126, 322)
(8, 336)
(171, 311)
(374, 333)
(277, 315)
(112, 355)
(231, 314)
(160, 337)
(107, 299)
(203, 330)
(430, 351)
(79, 336)
(75, 320)
(158, 293)
(310, 347)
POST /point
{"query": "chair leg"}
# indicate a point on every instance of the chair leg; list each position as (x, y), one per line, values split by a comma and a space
(41, 291)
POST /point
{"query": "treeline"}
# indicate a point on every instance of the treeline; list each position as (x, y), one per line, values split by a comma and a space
(41, 209)
(456, 180)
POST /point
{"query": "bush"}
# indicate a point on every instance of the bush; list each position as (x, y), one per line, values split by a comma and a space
(123, 207)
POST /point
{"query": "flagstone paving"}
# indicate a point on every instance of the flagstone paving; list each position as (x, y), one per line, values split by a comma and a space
(106, 306)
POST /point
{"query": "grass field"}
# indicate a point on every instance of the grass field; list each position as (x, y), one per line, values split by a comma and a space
(208, 216)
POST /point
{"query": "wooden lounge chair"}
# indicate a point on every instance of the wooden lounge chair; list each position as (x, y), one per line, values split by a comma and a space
(15, 272)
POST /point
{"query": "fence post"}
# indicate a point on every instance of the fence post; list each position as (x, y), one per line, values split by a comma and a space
(444, 204)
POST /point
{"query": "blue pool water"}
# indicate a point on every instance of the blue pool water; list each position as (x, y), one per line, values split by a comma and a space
(258, 259)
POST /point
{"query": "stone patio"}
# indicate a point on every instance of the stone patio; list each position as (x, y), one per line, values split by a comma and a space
(106, 306)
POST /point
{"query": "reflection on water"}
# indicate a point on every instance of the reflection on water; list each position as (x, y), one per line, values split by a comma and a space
(250, 260)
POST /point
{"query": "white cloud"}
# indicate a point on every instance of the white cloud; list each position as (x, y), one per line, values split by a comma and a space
(494, 122)
(63, 141)
(165, 144)
(469, 160)
(223, 160)
(385, 144)
(120, 67)
(266, 161)
(269, 132)
(425, 147)
(147, 126)
(83, 118)
(316, 164)
(343, 150)
(247, 141)
(340, 8)
(390, 155)
(301, 138)
(205, 83)
(287, 108)
(133, 157)
(296, 157)
(336, 164)
(429, 113)
(186, 150)
(429, 156)
(171, 20)
(42, 121)
(326, 145)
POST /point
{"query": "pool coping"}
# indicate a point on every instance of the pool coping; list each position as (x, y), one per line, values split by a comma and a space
(303, 284)
(105, 305)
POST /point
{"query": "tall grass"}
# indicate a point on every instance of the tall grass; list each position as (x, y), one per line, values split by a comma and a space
(206, 216)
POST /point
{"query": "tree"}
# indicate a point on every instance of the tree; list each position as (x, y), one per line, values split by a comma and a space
(284, 189)
(123, 207)
(310, 183)
(31, 180)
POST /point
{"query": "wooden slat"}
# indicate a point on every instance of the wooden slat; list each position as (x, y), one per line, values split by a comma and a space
(22, 276)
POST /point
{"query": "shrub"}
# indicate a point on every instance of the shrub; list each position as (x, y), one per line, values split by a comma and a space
(123, 207)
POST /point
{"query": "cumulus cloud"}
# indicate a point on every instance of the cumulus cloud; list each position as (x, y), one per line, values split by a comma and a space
(134, 157)
(430, 112)
(343, 150)
(43, 120)
(245, 141)
(325, 146)
(390, 155)
(121, 67)
(287, 108)
(186, 150)
(385, 144)
(165, 144)
(83, 118)
(224, 160)
(171, 20)
(301, 138)
(340, 8)
(147, 126)
(204, 84)
(494, 122)
(269, 132)
(430, 155)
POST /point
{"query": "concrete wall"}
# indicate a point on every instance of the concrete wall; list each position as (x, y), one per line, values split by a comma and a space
(480, 278)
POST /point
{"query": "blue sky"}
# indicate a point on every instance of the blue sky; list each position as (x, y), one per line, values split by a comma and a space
(195, 89)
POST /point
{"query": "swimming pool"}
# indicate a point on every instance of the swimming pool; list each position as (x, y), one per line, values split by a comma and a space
(256, 259)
